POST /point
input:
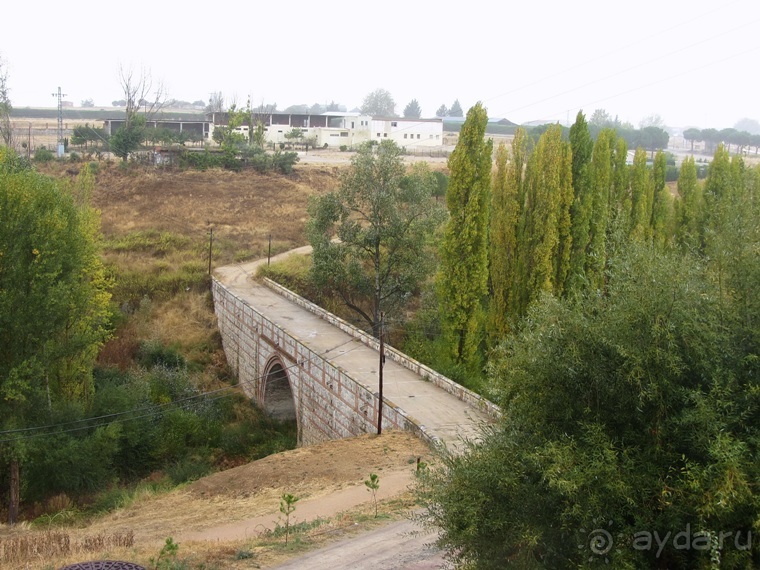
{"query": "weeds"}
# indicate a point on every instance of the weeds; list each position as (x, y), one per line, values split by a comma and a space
(50, 544)
(167, 558)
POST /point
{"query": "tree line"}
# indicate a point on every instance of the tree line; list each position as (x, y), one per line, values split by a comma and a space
(618, 325)
(615, 321)
(740, 139)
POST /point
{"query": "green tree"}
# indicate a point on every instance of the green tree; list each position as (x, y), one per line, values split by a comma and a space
(635, 411)
(692, 135)
(602, 183)
(640, 188)
(227, 136)
(373, 486)
(544, 239)
(86, 135)
(653, 138)
(601, 119)
(383, 219)
(711, 137)
(295, 135)
(53, 299)
(442, 111)
(719, 184)
(128, 139)
(463, 276)
(143, 100)
(6, 132)
(379, 103)
(620, 200)
(505, 211)
(662, 206)
(412, 110)
(456, 109)
(287, 507)
(582, 147)
(689, 208)
(727, 137)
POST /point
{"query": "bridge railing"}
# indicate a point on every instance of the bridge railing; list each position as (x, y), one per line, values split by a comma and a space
(425, 372)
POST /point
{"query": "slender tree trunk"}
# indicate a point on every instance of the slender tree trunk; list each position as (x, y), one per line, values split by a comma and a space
(15, 494)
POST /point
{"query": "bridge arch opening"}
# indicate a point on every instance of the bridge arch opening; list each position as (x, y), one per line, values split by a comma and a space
(278, 396)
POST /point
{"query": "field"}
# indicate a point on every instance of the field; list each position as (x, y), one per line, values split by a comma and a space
(157, 223)
(232, 519)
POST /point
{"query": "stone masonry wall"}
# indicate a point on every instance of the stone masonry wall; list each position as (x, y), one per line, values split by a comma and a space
(329, 404)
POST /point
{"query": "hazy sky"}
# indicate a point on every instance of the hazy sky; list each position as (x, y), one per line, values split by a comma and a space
(694, 62)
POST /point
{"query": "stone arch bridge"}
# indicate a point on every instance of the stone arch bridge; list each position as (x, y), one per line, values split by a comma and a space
(301, 362)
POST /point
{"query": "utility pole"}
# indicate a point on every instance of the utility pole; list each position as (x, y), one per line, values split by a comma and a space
(60, 120)
(382, 362)
(210, 244)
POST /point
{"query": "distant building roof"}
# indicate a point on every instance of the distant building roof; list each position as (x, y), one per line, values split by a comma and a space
(495, 120)
(341, 114)
(407, 119)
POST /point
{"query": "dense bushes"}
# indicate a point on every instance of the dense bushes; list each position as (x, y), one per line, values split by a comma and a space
(236, 160)
(148, 419)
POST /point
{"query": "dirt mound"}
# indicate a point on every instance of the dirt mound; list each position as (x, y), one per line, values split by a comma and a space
(255, 489)
(312, 470)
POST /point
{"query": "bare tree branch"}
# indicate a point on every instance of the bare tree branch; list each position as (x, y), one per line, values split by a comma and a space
(140, 94)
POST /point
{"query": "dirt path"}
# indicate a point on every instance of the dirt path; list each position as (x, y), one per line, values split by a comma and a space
(397, 546)
(391, 484)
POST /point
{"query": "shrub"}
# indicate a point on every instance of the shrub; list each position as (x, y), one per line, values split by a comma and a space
(43, 155)
(152, 354)
(343, 148)
(283, 162)
(189, 469)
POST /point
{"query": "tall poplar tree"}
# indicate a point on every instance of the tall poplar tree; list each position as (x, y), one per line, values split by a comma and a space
(620, 200)
(582, 147)
(602, 181)
(719, 186)
(544, 230)
(690, 207)
(662, 206)
(463, 278)
(507, 181)
(640, 184)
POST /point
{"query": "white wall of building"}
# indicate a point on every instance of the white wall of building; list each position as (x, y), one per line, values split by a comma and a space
(352, 130)
(408, 132)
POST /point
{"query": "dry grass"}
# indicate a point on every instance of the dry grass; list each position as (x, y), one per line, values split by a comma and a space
(156, 224)
(20, 550)
(237, 494)
(243, 208)
(163, 218)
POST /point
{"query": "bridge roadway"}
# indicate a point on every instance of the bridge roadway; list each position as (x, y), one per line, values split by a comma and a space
(443, 415)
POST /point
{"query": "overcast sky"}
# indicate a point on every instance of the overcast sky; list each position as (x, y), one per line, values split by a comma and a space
(693, 62)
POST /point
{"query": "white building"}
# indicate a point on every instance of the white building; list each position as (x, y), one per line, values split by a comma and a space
(408, 132)
(334, 129)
